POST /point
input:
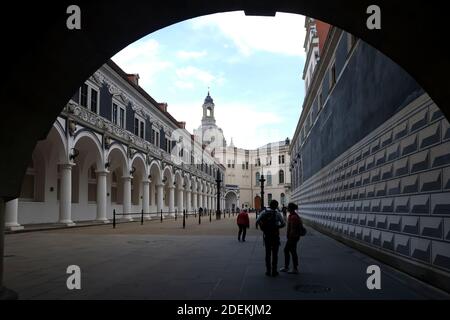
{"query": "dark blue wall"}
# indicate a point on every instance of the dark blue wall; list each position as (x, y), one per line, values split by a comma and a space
(370, 91)
(148, 130)
(76, 96)
(162, 139)
(105, 102)
(130, 118)
(341, 54)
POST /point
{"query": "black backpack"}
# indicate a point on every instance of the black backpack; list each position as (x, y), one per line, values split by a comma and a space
(269, 223)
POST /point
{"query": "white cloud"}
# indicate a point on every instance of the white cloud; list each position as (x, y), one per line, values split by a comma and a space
(283, 34)
(143, 57)
(191, 72)
(186, 55)
(188, 77)
(248, 125)
(184, 84)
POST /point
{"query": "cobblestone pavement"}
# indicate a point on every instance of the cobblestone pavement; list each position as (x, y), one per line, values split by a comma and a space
(165, 261)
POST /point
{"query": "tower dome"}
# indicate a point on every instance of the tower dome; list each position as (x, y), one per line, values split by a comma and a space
(208, 99)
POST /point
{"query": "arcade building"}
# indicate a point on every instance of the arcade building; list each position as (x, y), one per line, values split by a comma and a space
(113, 147)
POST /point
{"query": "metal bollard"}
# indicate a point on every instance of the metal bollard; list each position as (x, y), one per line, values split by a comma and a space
(176, 213)
(161, 216)
(184, 219)
(142, 217)
(199, 218)
(210, 216)
(114, 218)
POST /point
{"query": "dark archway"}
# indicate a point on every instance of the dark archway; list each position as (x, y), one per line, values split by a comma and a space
(47, 62)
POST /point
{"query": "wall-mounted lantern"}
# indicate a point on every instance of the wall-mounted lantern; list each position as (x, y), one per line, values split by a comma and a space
(74, 154)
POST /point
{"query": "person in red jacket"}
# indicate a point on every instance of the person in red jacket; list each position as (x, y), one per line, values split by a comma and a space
(243, 223)
(293, 236)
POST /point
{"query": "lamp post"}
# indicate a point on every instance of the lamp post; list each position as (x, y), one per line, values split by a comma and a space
(262, 180)
(218, 181)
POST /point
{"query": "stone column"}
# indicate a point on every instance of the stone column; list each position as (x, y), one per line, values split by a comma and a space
(160, 196)
(146, 198)
(188, 201)
(127, 197)
(204, 201)
(200, 200)
(5, 294)
(180, 200)
(172, 200)
(101, 196)
(65, 201)
(11, 215)
(195, 204)
(152, 194)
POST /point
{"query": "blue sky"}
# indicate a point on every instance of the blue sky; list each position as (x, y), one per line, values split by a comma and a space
(253, 66)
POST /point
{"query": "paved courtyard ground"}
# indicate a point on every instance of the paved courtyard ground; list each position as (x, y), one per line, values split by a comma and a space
(164, 261)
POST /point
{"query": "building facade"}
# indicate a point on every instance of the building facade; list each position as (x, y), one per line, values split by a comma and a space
(316, 36)
(244, 169)
(370, 158)
(114, 147)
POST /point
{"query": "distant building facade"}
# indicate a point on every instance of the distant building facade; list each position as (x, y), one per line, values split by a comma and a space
(244, 169)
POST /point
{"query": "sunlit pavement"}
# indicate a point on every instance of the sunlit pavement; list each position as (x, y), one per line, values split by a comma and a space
(164, 261)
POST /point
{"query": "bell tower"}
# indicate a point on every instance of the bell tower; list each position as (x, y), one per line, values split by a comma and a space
(208, 112)
(209, 132)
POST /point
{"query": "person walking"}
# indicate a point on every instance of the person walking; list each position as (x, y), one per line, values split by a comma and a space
(294, 231)
(270, 221)
(243, 223)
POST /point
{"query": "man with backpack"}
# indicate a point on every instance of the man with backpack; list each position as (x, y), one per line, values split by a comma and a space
(270, 221)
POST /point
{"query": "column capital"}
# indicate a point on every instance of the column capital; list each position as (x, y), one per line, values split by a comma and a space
(127, 178)
(102, 172)
(146, 181)
(67, 165)
(171, 187)
(159, 185)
